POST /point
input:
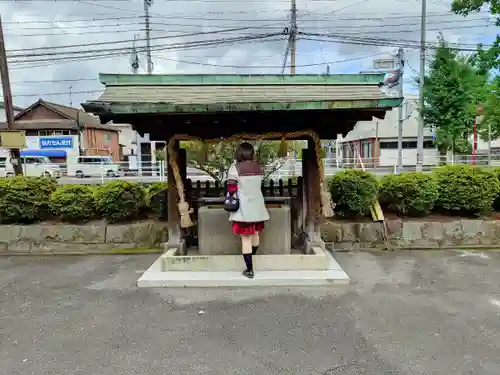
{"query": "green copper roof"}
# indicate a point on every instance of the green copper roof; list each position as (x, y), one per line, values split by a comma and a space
(233, 79)
(128, 93)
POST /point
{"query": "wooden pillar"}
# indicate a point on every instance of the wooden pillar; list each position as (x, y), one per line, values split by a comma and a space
(174, 229)
(312, 194)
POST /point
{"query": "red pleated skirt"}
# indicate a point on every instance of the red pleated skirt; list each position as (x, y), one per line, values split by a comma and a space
(247, 229)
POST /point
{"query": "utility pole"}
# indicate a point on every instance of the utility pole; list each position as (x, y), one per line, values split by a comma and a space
(293, 37)
(401, 67)
(134, 58)
(79, 130)
(420, 137)
(147, 4)
(70, 95)
(15, 154)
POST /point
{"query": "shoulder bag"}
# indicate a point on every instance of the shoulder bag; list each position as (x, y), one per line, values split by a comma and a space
(231, 201)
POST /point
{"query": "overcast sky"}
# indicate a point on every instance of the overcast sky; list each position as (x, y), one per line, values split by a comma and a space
(47, 73)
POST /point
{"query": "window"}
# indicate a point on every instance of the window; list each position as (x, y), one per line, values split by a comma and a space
(408, 144)
(429, 144)
(367, 149)
(388, 145)
(107, 137)
(51, 133)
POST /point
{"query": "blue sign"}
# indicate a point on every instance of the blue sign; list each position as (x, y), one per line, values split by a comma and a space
(65, 142)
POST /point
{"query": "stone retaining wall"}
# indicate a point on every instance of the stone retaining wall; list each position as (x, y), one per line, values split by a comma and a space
(408, 234)
(95, 238)
(101, 238)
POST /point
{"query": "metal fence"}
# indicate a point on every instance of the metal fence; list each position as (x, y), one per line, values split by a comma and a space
(286, 169)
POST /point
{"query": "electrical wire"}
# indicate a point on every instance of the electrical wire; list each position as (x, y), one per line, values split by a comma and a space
(266, 66)
(167, 47)
(127, 40)
(110, 51)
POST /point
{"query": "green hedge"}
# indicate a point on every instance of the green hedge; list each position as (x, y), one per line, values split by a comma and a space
(409, 193)
(156, 199)
(353, 192)
(120, 200)
(466, 190)
(25, 199)
(457, 190)
(73, 203)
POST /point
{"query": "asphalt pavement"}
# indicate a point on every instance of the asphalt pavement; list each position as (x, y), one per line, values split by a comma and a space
(405, 313)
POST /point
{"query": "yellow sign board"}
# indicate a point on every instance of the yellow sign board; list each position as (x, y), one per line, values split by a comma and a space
(12, 139)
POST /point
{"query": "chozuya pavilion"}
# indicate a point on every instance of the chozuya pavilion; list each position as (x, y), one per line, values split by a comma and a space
(215, 108)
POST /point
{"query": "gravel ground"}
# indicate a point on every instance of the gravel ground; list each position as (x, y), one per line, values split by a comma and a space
(405, 313)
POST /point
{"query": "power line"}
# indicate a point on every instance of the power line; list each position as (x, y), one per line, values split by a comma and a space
(125, 41)
(350, 39)
(380, 22)
(266, 66)
(165, 47)
(372, 28)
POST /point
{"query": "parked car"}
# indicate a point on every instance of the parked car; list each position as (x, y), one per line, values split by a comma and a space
(32, 166)
(93, 166)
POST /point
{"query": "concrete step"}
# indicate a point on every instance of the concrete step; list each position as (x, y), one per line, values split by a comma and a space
(156, 277)
(180, 279)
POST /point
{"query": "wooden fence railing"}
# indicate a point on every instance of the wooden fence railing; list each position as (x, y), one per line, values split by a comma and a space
(209, 189)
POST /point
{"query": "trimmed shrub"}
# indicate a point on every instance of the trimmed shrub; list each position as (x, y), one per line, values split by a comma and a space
(119, 200)
(156, 199)
(353, 192)
(496, 202)
(466, 190)
(73, 203)
(25, 199)
(409, 193)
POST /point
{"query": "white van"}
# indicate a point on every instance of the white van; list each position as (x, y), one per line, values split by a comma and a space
(93, 166)
(35, 166)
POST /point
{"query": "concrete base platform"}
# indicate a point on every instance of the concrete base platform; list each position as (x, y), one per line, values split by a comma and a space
(156, 277)
(317, 260)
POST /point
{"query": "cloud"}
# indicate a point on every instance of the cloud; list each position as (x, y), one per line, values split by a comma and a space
(32, 24)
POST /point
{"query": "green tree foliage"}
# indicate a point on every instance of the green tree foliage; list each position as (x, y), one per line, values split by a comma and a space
(219, 157)
(452, 89)
(488, 61)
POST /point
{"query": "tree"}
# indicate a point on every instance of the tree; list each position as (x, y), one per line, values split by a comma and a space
(451, 93)
(487, 61)
(215, 160)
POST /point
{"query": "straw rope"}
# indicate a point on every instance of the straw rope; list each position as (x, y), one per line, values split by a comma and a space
(327, 206)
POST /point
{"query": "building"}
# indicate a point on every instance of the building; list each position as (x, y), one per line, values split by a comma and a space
(138, 151)
(59, 132)
(376, 141)
(3, 118)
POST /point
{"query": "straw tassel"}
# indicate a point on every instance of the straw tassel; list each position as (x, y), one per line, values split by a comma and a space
(204, 152)
(283, 148)
(327, 204)
(185, 213)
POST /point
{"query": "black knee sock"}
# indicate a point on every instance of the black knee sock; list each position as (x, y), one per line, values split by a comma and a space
(248, 261)
(254, 249)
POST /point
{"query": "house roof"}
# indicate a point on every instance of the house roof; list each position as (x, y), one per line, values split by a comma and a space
(387, 127)
(71, 116)
(69, 112)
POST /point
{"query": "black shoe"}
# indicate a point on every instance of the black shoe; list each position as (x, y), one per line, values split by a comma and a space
(248, 274)
(254, 250)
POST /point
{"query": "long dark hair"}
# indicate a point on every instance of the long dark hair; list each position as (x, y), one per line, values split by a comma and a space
(244, 152)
